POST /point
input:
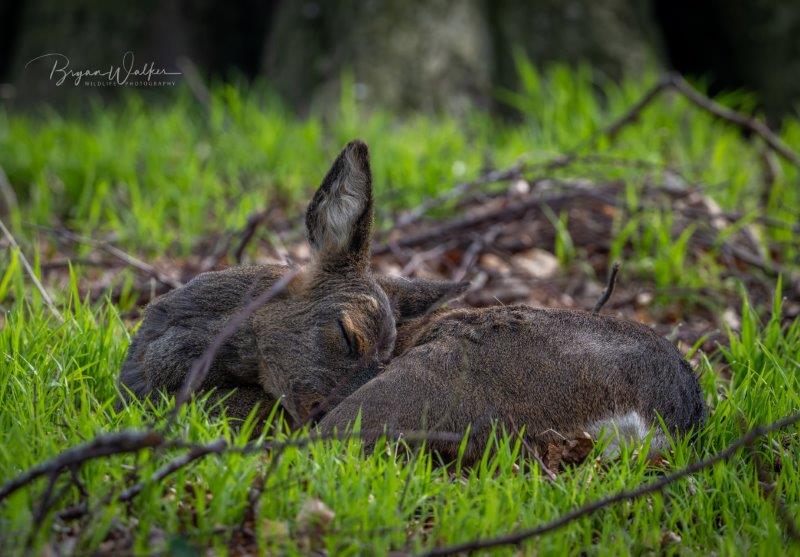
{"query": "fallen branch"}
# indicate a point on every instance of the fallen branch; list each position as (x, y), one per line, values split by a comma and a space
(517, 538)
(566, 159)
(472, 253)
(491, 177)
(632, 114)
(218, 252)
(612, 280)
(511, 173)
(28, 269)
(217, 447)
(102, 445)
(750, 124)
(513, 211)
(417, 259)
(671, 81)
(114, 251)
(173, 466)
(677, 83)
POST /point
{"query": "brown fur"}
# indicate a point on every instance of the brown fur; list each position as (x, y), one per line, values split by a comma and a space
(546, 370)
(310, 346)
(381, 346)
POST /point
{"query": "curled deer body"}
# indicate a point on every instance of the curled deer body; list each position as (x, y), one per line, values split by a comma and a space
(340, 342)
(325, 334)
(552, 372)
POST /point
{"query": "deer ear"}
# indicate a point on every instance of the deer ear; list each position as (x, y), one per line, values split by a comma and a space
(418, 297)
(339, 217)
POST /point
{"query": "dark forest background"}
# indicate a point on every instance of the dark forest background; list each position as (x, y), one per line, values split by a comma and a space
(410, 55)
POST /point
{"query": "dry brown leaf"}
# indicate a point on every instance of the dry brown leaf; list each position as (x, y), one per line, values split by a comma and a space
(657, 460)
(563, 452)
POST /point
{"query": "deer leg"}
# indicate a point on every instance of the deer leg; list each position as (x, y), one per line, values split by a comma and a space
(416, 400)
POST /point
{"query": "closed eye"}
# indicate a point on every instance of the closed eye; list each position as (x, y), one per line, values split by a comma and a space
(351, 347)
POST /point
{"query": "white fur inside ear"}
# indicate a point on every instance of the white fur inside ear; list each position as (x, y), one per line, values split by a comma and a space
(344, 203)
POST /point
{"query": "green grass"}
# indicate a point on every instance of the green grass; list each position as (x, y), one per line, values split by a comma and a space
(161, 178)
(57, 386)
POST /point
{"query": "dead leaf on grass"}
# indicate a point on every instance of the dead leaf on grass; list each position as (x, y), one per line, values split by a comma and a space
(564, 452)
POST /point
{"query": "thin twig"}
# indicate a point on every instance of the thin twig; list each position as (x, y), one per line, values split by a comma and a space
(532, 451)
(677, 83)
(420, 258)
(200, 367)
(123, 256)
(771, 171)
(472, 253)
(42, 508)
(199, 451)
(195, 82)
(257, 488)
(173, 466)
(517, 538)
(724, 113)
(247, 233)
(612, 281)
(513, 211)
(28, 269)
(102, 445)
(491, 177)
(632, 114)
(66, 262)
(217, 253)
(7, 193)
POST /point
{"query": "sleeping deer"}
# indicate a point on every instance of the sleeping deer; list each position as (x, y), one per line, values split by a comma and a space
(552, 372)
(312, 344)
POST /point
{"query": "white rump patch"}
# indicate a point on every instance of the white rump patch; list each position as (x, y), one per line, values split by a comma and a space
(343, 204)
(626, 429)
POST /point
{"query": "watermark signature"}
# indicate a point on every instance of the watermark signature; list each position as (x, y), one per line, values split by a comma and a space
(127, 74)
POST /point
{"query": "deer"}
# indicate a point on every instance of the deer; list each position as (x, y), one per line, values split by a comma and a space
(343, 346)
(330, 330)
(548, 373)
